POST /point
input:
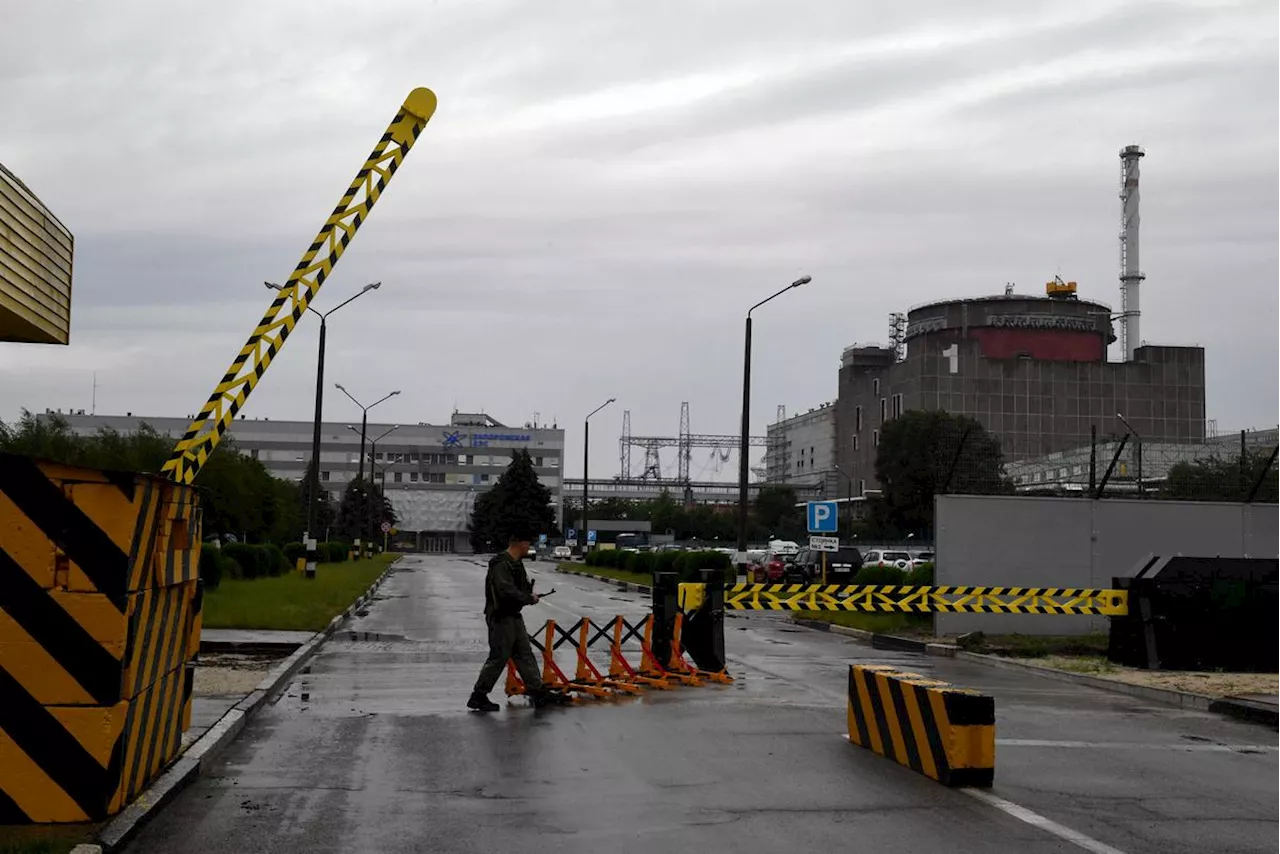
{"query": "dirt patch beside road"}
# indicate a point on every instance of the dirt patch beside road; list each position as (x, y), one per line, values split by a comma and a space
(1207, 684)
(223, 673)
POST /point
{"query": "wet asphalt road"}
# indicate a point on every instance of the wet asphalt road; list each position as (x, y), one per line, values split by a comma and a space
(371, 750)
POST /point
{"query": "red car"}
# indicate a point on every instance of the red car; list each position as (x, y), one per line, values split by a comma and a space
(773, 570)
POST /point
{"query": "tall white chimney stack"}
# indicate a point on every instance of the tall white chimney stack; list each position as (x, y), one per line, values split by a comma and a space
(1130, 267)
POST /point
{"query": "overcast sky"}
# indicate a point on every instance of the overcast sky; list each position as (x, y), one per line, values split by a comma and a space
(606, 187)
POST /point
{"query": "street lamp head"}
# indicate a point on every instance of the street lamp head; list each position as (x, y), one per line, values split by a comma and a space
(273, 286)
(371, 287)
(394, 393)
(339, 386)
(803, 280)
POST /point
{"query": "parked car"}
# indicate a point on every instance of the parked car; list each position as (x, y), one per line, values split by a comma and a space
(533, 553)
(770, 568)
(842, 565)
(562, 553)
(881, 557)
(921, 558)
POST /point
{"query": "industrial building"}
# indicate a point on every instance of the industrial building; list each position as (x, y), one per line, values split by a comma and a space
(1031, 368)
(801, 450)
(431, 473)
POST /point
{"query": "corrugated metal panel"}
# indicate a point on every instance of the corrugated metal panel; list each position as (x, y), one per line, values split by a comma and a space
(432, 510)
(36, 253)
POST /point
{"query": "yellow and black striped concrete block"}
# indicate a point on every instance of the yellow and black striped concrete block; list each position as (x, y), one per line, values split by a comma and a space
(99, 617)
(83, 763)
(945, 733)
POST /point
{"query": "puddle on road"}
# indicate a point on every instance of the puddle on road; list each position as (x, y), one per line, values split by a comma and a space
(371, 636)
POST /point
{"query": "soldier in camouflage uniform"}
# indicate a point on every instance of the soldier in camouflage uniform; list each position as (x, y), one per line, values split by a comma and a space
(507, 589)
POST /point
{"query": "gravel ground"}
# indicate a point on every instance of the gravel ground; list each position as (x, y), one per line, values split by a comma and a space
(1208, 684)
(220, 674)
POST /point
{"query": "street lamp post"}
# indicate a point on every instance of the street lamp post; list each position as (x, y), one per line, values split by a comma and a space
(373, 466)
(586, 457)
(364, 428)
(1142, 491)
(746, 420)
(313, 482)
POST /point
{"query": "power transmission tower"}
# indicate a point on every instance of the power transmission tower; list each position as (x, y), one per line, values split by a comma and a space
(684, 442)
(652, 463)
(624, 446)
(685, 449)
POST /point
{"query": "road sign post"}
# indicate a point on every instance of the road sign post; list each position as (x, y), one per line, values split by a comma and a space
(824, 544)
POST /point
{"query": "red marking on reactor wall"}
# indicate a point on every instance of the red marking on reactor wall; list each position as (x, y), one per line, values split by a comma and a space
(1051, 345)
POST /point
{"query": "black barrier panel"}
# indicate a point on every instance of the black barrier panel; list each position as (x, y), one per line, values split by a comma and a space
(703, 635)
(666, 592)
(1199, 613)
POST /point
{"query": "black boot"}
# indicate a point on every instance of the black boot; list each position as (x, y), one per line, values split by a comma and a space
(480, 703)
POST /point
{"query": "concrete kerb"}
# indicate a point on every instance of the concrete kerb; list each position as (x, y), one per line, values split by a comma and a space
(1244, 709)
(187, 767)
(1181, 699)
(1238, 708)
(621, 585)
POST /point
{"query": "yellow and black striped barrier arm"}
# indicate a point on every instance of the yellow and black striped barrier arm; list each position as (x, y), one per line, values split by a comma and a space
(946, 733)
(940, 599)
(205, 432)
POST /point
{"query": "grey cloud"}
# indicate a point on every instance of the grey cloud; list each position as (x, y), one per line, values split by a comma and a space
(543, 247)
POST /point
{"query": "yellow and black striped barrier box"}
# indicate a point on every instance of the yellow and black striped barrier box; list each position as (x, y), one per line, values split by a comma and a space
(99, 623)
(946, 733)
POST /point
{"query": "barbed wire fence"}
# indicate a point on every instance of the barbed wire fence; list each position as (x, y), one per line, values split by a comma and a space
(1240, 466)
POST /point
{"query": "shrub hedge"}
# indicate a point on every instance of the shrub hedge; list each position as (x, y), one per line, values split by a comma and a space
(242, 560)
(293, 552)
(256, 561)
(213, 566)
(921, 576)
(687, 565)
(880, 575)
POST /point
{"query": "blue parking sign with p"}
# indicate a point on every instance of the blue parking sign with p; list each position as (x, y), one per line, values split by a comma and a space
(823, 518)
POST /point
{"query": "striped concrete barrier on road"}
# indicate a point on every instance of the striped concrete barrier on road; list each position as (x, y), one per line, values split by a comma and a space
(946, 733)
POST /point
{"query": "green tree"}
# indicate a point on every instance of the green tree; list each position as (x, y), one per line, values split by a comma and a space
(517, 502)
(1218, 478)
(614, 508)
(665, 513)
(775, 513)
(359, 518)
(237, 494)
(326, 515)
(923, 452)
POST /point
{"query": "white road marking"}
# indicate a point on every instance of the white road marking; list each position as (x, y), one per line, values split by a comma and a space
(1191, 746)
(1034, 819)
